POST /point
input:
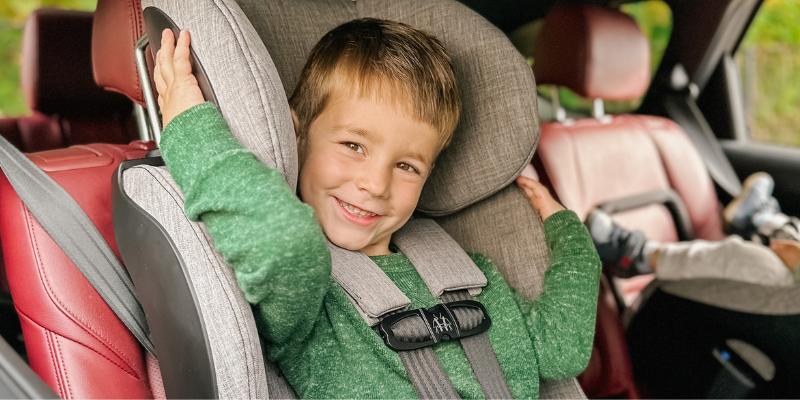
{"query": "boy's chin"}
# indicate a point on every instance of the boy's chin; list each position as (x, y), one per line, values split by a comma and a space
(353, 242)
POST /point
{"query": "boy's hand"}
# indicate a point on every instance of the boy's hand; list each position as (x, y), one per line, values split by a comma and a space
(787, 250)
(540, 197)
(177, 87)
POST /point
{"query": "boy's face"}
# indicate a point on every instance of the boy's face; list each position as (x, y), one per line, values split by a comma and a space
(366, 162)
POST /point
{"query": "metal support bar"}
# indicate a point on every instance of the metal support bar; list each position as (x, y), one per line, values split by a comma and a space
(147, 90)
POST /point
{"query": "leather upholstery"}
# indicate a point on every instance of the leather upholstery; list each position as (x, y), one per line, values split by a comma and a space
(610, 349)
(118, 25)
(597, 52)
(56, 69)
(589, 162)
(74, 341)
(601, 53)
(68, 107)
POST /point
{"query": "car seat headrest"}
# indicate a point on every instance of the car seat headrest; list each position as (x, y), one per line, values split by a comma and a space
(597, 52)
(498, 130)
(56, 73)
(117, 26)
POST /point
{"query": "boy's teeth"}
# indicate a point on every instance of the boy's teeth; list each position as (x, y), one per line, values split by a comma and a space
(355, 210)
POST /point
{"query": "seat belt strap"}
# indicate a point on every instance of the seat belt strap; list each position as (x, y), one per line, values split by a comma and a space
(427, 375)
(481, 356)
(72, 230)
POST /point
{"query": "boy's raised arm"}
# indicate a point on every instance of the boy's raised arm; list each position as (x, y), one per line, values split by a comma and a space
(561, 320)
(268, 236)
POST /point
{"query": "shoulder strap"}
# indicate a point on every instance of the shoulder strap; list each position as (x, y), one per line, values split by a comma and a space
(72, 230)
(375, 296)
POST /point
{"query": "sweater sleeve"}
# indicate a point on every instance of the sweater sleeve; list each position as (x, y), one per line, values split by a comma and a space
(561, 320)
(267, 235)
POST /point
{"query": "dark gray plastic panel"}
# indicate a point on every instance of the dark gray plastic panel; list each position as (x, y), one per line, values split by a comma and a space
(165, 291)
(17, 380)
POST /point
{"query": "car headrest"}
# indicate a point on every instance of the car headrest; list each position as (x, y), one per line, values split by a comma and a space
(499, 127)
(597, 52)
(117, 26)
(56, 71)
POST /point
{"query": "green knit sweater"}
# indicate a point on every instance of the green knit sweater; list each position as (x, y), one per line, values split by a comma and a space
(313, 331)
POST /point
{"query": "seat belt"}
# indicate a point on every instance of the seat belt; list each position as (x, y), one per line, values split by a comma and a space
(72, 230)
(412, 333)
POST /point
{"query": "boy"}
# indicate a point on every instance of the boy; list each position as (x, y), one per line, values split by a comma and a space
(375, 104)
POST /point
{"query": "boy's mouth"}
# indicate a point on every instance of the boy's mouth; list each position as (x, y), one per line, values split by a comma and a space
(357, 215)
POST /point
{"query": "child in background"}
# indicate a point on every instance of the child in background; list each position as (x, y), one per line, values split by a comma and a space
(376, 103)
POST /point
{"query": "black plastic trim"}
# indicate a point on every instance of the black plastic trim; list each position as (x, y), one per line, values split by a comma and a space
(667, 197)
(166, 293)
(155, 22)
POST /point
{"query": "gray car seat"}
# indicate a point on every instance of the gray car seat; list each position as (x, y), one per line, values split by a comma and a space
(249, 54)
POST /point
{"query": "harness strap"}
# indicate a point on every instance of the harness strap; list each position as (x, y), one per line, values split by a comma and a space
(480, 354)
(376, 297)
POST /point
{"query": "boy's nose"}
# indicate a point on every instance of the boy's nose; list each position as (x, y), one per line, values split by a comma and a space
(375, 181)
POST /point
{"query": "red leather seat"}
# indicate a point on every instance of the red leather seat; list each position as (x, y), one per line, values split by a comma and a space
(57, 81)
(73, 339)
(601, 54)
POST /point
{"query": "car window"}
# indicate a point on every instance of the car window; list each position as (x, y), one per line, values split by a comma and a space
(769, 66)
(655, 20)
(13, 14)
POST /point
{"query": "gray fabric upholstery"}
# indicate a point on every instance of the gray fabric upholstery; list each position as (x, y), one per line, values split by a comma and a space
(498, 130)
(738, 296)
(495, 140)
(243, 78)
(505, 228)
(229, 322)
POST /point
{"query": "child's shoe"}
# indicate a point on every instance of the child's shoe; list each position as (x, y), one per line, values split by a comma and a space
(755, 199)
(627, 253)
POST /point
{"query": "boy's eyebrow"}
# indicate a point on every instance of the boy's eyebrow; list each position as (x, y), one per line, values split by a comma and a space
(356, 131)
(369, 135)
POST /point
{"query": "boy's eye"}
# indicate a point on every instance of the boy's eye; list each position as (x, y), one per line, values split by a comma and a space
(406, 167)
(355, 147)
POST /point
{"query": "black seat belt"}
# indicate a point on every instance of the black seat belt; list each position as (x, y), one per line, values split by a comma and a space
(72, 230)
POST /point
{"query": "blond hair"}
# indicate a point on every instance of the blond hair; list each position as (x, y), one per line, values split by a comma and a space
(385, 60)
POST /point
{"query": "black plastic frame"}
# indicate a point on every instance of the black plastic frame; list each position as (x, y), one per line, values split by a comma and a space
(667, 197)
(155, 22)
(165, 290)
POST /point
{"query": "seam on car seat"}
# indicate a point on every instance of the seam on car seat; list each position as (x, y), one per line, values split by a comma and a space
(134, 16)
(237, 31)
(53, 297)
(63, 367)
(160, 178)
(49, 332)
(53, 359)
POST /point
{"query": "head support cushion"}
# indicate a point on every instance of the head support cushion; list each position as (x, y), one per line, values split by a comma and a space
(498, 130)
(597, 52)
(56, 67)
(117, 26)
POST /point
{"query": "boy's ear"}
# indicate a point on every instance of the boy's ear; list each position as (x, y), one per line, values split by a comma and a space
(296, 123)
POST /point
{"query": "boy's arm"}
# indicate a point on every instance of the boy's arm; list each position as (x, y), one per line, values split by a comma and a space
(270, 238)
(561, 320)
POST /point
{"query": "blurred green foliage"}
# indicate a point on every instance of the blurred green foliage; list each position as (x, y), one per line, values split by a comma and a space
(769, 62)
(13, 14)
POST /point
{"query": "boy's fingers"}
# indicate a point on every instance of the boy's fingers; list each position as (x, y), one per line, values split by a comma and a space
(166, 55)
(181, 64)
(161, 86)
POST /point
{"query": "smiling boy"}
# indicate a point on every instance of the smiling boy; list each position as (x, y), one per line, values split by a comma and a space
(375, 104)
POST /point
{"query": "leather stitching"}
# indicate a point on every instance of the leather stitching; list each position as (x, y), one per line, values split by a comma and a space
(79, 343)
(134, 25)
(63, 368)
(105, 341)
(53, 360)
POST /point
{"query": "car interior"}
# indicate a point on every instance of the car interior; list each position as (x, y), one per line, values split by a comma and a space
(666, 167)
